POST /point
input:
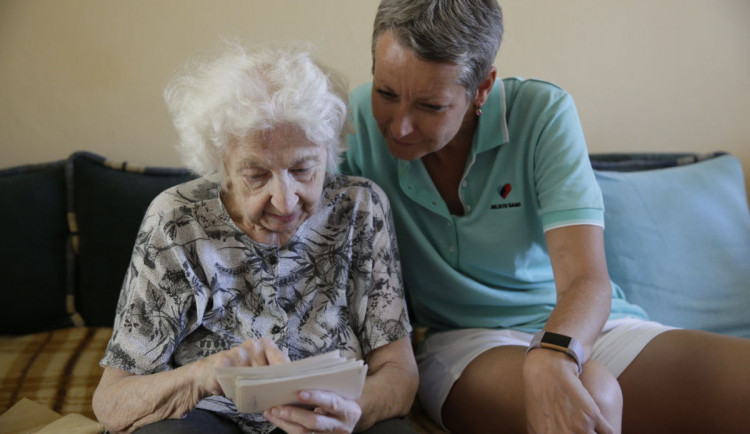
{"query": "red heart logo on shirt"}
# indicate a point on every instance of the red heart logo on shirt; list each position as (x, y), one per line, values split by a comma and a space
(504, 191)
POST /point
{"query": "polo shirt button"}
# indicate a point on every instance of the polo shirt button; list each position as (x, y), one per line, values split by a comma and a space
(451, 249)
(468, 208)
(464, 184)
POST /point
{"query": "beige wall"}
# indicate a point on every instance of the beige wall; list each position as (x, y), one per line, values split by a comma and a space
(665, 75)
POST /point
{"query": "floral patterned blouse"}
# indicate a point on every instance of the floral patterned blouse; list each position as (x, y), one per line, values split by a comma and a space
(197, 284)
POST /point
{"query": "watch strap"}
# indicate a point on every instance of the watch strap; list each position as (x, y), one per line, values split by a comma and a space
(558, 342)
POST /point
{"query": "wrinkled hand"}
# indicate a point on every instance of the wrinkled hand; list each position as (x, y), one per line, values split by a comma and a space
(252, 352)
(331, 414)
(555, 399)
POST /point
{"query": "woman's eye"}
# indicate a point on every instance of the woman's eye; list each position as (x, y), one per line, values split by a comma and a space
(386, 94)
(433, 107)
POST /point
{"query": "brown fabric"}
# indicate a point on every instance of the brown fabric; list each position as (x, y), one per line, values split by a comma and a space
(58, 369)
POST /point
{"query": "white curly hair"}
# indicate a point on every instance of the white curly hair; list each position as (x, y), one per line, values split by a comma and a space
(239, 91)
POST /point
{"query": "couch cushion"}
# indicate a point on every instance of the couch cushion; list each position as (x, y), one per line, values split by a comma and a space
(33, 254)
(108, 201)
(678, 239)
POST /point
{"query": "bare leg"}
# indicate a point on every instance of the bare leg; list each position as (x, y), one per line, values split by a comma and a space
(488, 397)
(687, 381)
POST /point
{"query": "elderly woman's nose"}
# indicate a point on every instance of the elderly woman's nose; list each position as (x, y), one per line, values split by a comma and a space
(284, 194)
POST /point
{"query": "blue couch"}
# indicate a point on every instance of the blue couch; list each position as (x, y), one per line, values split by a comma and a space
(677, 239)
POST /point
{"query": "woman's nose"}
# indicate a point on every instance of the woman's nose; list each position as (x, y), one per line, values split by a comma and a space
(401, 124)
(283, 195)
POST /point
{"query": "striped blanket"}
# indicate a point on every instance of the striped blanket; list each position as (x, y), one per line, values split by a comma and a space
(58, 369)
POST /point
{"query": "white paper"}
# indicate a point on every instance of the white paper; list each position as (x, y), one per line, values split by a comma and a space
(255, 389)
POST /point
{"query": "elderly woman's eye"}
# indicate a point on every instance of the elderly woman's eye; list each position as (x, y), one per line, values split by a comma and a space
(255, 178)
(302, 172)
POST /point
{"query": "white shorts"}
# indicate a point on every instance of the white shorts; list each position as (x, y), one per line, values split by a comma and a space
(443, 356)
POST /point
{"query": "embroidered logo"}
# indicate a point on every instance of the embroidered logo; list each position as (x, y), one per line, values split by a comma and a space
(504, 191)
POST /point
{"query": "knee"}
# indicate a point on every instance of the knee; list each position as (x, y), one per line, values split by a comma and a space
(604, 389)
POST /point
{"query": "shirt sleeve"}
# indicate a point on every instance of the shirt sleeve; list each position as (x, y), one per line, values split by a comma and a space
(567, 190)
(152, 311)
(384, 318)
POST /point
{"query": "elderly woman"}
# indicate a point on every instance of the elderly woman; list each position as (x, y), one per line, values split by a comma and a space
(268, 257)
(500, 223)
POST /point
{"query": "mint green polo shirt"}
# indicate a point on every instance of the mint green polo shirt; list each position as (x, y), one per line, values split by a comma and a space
(528, 171)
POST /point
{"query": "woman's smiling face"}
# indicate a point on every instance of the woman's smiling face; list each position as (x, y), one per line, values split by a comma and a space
(274, 180)
(419, 106)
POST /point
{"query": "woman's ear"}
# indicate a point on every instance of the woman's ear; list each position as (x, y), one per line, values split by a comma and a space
(485, 86)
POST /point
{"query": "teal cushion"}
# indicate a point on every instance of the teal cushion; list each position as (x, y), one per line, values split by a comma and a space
(108, 202)
(677, 240)
(33, 256)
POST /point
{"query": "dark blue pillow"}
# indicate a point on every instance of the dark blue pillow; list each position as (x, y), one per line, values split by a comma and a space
(639, 161)
(108, 202)
(34, 233)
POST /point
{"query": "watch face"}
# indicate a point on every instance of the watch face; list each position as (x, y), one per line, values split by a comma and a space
(555, 340)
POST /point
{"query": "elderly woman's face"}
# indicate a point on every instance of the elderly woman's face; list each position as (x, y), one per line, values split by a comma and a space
(419, 106)
(274, 182)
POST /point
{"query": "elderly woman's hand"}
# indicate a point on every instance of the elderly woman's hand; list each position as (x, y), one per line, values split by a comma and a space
(252, 352)
(331, 413)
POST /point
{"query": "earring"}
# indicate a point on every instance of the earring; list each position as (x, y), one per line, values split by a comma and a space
(479, 110)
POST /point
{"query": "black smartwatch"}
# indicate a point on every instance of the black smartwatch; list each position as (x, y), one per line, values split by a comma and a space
(558, 342)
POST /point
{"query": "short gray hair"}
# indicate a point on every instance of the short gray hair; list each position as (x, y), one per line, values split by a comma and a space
(465, 32)
(239, 91)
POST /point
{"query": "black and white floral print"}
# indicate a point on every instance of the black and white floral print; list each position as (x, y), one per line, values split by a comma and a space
(197, 284)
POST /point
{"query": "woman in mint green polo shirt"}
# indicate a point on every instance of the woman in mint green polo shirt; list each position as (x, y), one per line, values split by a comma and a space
(500, 226)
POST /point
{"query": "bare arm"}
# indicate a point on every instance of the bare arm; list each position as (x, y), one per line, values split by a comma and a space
(556, 399)
(584, 292)
(124, 402)
(391, 383)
